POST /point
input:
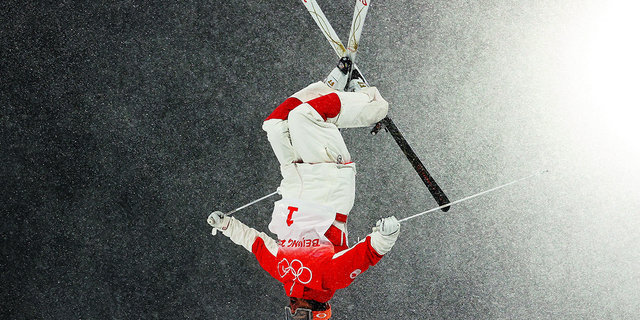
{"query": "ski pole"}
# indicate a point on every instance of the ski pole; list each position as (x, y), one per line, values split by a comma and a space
(214, 231)
(250, 203)
(473, 196)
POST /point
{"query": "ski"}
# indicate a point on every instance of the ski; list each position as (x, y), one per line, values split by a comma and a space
(322, 22)
(359, 14)
(428, 180)
(350, 51)
(329, 33)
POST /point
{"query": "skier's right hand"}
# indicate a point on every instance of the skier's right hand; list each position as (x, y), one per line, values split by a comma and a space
(219, 221)
(387, 226)
(385, 234)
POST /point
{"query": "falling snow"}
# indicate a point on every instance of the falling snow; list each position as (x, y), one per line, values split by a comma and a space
(124, 123)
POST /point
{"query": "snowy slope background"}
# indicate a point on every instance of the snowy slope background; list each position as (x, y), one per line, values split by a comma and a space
(124, 123)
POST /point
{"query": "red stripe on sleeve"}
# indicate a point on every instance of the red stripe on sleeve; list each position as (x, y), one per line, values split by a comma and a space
(282, 111)
(328, 106)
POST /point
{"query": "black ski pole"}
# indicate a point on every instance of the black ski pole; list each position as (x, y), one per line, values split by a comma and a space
(428, 180)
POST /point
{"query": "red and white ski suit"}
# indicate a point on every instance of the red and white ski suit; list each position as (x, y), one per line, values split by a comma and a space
(314, 161)
(311, 257)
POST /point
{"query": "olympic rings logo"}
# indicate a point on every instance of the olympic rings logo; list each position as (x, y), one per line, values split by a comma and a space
(297, 269)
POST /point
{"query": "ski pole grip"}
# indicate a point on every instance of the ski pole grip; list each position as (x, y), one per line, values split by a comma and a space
(377, 128)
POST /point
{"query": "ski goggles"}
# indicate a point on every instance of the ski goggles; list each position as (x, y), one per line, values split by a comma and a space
(306, 314)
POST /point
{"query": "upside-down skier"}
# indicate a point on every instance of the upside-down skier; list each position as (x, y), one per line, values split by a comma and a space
(311, 257)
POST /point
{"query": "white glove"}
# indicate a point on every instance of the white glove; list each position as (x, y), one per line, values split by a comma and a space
(385, 234)
(219, 221)
(387, 226)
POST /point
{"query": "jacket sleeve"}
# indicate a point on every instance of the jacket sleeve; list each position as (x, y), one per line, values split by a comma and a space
(260, 244)
(348, 264)
(245, 236)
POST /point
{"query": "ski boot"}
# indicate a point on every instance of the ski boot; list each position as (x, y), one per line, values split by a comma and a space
(339, 76)
(356, 81)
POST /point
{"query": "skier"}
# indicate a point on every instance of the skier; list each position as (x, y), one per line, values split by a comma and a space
(311, 256)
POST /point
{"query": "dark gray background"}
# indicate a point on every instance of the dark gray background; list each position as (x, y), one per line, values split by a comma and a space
(124, 123)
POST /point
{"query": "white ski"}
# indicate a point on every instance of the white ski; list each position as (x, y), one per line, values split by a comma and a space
(322, 22)
(359, 14)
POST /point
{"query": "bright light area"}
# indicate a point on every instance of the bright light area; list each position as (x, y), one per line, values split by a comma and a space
(613, 71)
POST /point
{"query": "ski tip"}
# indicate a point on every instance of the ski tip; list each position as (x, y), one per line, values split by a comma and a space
(445, 209)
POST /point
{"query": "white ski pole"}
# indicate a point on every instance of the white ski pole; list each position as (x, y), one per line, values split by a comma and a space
(214, 231)
(250, 203)
(473, 196)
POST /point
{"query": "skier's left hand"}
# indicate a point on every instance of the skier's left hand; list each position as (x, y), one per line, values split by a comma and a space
(217, 219)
